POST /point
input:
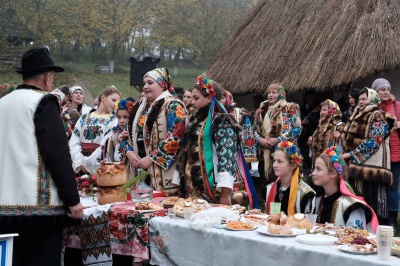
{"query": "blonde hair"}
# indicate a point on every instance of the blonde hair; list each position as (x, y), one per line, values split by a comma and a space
(108, 91)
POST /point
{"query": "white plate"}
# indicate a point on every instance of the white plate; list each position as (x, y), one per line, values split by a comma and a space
(316, 239)
(396, 251)
(296, 232)
(350, 249)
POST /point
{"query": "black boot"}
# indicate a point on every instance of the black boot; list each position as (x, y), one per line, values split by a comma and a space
(393, 221)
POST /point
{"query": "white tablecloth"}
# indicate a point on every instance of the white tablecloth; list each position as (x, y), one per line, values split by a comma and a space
(173, 242)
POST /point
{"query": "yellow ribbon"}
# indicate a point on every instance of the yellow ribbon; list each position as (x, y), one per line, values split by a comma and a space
(294, 187)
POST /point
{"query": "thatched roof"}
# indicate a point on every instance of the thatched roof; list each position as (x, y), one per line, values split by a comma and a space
(318, 44)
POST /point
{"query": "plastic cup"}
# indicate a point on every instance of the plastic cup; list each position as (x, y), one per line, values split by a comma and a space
(312, 218)
(384, 238)
(187, 213)
(171, 213)
(275, 208)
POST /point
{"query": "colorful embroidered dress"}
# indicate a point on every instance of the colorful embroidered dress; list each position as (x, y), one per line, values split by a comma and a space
(161, 139)
(87, 136)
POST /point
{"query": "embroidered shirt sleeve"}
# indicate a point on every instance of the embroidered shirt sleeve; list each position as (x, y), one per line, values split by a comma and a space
(225, 139)
(168, 148)
(291, 124)
(366, 149)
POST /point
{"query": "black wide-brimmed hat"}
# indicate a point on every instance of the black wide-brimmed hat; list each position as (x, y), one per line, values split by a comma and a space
(36, 61)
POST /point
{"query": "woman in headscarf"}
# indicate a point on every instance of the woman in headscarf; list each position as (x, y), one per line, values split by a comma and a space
(276, 120)
(212, 165)
(336, 203)
(390, 105)
(366, 149)
(156, 127)
(289, 189)
(323, 137)
(75, 103)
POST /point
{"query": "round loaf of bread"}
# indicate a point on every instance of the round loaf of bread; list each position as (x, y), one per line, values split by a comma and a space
(111, 174)
(106, 195)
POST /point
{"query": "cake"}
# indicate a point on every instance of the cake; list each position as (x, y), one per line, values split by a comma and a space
(111, 174)
(106, 195)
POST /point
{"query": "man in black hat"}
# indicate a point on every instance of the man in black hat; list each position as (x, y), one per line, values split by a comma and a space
(37, 183)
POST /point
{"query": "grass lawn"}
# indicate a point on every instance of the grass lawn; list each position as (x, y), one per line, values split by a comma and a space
(83, 74)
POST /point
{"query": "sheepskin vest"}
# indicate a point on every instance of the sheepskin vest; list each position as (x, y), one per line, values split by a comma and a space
(27, 189)
(323, 136)
(161, 179)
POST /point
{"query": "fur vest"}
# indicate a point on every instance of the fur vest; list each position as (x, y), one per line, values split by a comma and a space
(323, 136)
(270, 124)
(191, 161)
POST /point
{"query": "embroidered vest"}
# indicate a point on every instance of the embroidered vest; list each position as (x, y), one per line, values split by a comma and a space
(342, 206)
(161, 179)
(26, 186)
(303, 193)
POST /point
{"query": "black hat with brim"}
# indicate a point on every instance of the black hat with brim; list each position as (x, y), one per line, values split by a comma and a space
(36, 61)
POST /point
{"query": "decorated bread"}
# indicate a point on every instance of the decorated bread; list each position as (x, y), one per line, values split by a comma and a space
(299, 221)
(111, 174)
(106, 195)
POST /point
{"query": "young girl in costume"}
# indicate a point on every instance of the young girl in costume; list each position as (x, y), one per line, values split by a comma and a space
(117, 144)
(91, 129)
(336, 204)
(323, 137)
(212, 165)
(276, 120)
(289, 189)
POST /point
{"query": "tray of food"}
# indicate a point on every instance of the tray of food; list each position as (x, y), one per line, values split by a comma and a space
(239, 226)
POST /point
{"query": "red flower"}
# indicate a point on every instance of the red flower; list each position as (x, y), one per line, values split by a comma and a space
(94, 177)
(249, 142)
(179, 130)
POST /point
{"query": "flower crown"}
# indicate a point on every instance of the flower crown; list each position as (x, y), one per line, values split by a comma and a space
(290, 149)
(337, 162)
(204, 82)
(124, 105)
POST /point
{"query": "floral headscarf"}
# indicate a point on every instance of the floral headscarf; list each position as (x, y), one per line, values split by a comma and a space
(373, 97)
(333, 108)
(59, 94)
(228, 98)
(75, 88)
(162, 77)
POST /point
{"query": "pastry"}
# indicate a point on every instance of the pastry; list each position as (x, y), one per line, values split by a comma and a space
(106, 195)
(111, 174)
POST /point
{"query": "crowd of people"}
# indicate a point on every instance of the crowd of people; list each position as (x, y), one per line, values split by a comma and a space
(341, 163)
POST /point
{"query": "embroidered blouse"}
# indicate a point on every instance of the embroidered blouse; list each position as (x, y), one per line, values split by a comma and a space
(90, 129)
